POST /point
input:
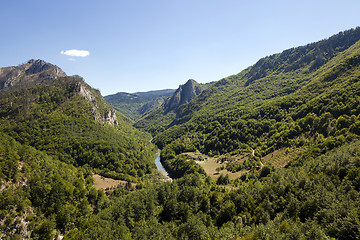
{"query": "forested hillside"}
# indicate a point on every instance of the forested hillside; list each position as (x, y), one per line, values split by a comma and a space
(55, 132)
(69, 120)
(299, 107)
(42, 197)
(318, 200)
(291, 99)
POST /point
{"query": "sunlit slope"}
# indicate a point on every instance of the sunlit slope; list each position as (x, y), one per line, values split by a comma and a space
(66, 118)
(301, 96)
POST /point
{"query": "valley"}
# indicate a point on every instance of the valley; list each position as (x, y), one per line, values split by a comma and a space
(271, 152)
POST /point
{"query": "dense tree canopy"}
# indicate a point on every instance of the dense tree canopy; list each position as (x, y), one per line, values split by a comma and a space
(56, 119)
(277, 110)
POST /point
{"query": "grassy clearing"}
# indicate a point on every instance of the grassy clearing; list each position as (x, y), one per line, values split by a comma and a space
(104, 182)
(210, 164)
(278, 158)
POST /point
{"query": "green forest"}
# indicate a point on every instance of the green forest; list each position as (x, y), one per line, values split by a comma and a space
(55, 134)
(54, 118)
(311, 107)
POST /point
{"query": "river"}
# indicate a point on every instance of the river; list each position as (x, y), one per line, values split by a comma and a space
(160, 167)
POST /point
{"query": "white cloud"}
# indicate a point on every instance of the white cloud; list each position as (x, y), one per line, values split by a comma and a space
(76, 53)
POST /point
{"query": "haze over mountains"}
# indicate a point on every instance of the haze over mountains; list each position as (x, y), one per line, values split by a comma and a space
(269, 153)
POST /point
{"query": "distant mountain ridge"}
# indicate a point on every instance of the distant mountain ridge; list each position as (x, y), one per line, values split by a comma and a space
(135, 105)
(165, 114)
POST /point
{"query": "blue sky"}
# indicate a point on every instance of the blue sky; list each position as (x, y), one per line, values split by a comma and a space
(147, 45)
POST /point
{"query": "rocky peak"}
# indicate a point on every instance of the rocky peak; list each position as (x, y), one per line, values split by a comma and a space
(184, 94)
(44, 68)
(32, 72)
(36, 66)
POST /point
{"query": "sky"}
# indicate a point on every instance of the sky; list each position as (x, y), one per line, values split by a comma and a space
(143, 45)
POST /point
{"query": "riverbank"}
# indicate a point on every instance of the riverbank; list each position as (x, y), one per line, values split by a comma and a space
(161, 168)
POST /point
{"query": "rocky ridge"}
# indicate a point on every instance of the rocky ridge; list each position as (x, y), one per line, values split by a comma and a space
(34, 71)
(184, 94)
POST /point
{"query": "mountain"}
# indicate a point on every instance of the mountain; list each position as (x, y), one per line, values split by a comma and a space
(135, 105)
(284, 100)
(167, 112)
(184, 94)
(32, 72)
(67, 119)
(286, 128)
(55, 132)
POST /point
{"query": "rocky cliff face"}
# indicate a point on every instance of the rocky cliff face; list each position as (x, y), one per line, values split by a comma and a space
(111, 118)
(32, 72)
(184, 94)
(36, 72)
(89, 95)
(85, 92)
